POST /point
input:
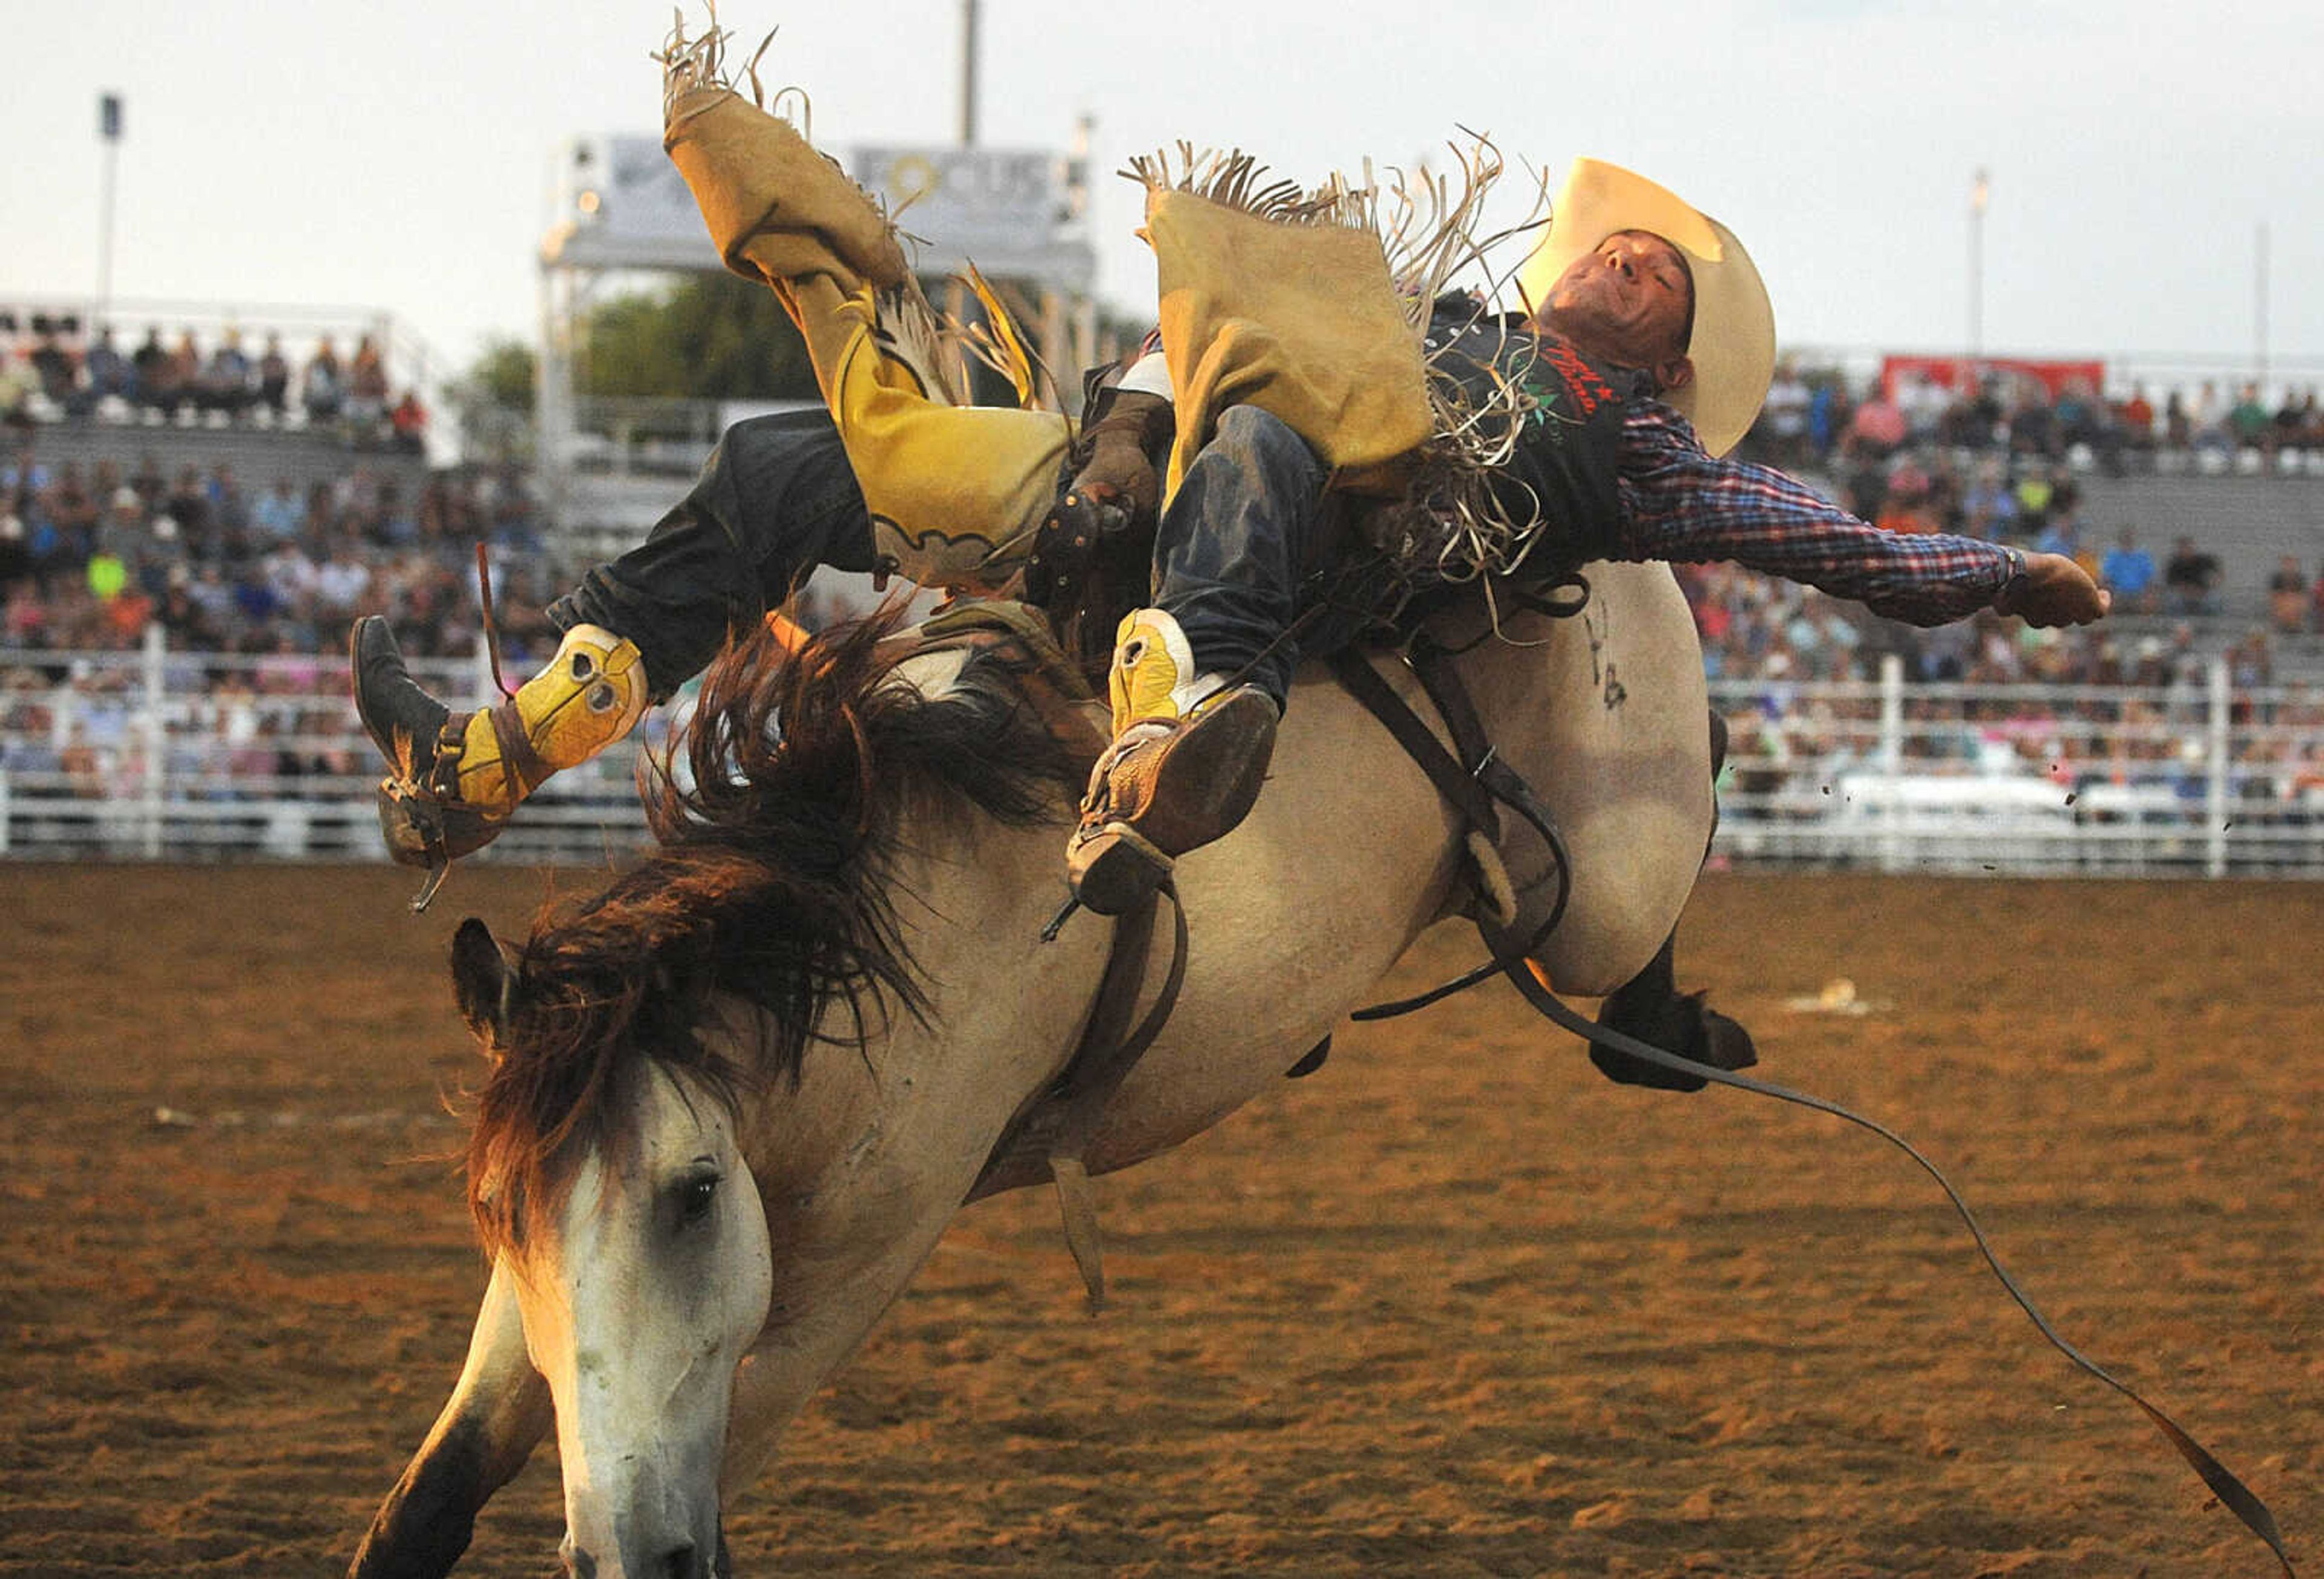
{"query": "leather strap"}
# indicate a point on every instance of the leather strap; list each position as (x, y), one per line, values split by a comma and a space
(1056, 1126)
(1361, 680)
(2232, 1492)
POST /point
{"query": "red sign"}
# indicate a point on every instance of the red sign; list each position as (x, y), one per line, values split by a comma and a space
(1953, 372)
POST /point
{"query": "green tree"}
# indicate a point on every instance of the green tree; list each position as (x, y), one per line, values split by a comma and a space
(709, 336)
(502, 377)
(494, 399)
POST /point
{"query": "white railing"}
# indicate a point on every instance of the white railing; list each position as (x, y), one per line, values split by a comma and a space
(186, 756)
(2196, 779)
(160, 754)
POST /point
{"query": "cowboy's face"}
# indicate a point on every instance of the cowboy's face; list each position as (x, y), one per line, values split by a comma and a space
(1630, 302)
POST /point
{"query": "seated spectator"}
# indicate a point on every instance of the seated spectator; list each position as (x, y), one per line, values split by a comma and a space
(409, 422)
(54, 364)
(2295, 420)
(156, 373)
(1829, 414)
(2190, 580)
(367, 388)
(2287, 597)
(18, 385)
(2250, 424)
(226, 379)
(1905, 506)
(2083, 420)
(2128, 572)
(274, 378)
(188, 505)
(2032, 425)
(324, 389)
(279, 514)
(15, 558)
(1879, 428)
(2134, 419)
(2061, 533)
(2207, 419)
(1924, 402)
(188, 357)
(1784, 419)
(110, 375)
(2178, 421)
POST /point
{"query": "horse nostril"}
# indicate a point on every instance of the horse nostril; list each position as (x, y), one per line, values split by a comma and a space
(685, 1563)
(580, 1565)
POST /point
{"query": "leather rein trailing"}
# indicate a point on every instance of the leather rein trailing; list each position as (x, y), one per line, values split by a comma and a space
(1473, 783)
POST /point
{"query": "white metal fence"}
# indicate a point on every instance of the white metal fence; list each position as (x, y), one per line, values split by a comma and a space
(2195, 778)
(183, 755)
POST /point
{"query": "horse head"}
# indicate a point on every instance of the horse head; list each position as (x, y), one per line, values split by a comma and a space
(647, 1044)
(642, 1272)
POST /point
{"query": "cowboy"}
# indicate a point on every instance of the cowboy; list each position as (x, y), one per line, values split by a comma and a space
(1606, 466)
(1645, 360)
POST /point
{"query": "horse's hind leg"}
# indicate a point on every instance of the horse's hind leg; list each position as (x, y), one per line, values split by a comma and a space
(1650, 1007)
(498, 1410)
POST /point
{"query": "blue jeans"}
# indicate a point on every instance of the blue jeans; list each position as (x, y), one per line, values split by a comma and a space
(775, 500)
(1234, 547)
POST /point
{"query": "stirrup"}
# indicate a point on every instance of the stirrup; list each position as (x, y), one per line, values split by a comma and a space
(1112, 869)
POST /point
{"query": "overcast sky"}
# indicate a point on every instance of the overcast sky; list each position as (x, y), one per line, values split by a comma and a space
(400, 155)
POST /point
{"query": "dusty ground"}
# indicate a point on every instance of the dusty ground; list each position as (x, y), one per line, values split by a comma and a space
(1455, 1305)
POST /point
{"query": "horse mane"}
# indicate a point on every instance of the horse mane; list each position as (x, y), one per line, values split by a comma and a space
(770, 884)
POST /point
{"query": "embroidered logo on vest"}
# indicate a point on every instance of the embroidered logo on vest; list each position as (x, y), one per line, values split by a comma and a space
(1582, 385)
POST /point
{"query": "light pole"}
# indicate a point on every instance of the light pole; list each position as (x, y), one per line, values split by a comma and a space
(968, 73)
(1980, 193)
(2259, 305)
(108, 130)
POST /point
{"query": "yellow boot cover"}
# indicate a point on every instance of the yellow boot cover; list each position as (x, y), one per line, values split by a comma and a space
(590, 695)
(1153, 675)
(955, 491)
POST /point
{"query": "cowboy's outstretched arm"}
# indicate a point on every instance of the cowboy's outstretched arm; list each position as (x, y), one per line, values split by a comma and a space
(1680, 504)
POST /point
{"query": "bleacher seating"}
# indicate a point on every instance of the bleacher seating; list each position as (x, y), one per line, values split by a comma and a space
(257, 455)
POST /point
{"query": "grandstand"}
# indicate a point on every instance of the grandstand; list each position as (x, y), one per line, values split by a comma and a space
(304, 456)
(190, 700)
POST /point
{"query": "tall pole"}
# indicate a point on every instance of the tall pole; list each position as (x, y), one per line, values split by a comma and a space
(108, 130)
(1980, 193)
(968, 73)
(2259, 306)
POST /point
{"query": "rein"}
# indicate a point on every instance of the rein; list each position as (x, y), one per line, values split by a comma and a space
(1472, 789)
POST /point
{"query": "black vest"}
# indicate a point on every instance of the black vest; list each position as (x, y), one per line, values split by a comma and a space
(1561, 476)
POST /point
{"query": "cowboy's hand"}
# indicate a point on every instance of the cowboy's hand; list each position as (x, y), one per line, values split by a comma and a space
(1116, 485)
(2052, 590)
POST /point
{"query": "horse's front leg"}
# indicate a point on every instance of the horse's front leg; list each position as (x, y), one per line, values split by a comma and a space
(498, 1410)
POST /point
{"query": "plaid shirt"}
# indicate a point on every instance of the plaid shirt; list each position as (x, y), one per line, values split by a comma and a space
(1679, 503)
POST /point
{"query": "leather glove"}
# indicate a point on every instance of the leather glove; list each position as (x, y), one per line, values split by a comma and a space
(2050, 589)
(1114, 486)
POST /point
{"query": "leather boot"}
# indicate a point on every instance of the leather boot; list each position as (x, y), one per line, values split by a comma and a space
(455, 778)
(1188, 758)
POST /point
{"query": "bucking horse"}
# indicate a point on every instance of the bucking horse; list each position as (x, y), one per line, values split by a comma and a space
(734, 1099)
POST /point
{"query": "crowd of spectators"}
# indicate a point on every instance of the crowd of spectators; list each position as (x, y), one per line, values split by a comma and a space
(51, 371)
(2109, 709)
(91, 552)
(90, 555)
(1814, 416)
(1916, 457)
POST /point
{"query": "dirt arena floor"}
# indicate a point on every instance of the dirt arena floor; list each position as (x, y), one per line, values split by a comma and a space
(1454, 1306)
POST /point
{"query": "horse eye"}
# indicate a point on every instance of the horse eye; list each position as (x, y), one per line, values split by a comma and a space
(695, 1196)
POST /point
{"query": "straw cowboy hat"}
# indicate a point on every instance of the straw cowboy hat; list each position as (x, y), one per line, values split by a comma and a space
(1733, 345)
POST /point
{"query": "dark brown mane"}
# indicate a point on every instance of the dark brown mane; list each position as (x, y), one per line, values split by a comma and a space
(777, 842)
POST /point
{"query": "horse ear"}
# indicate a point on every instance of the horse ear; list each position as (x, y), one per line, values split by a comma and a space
(481, 980)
